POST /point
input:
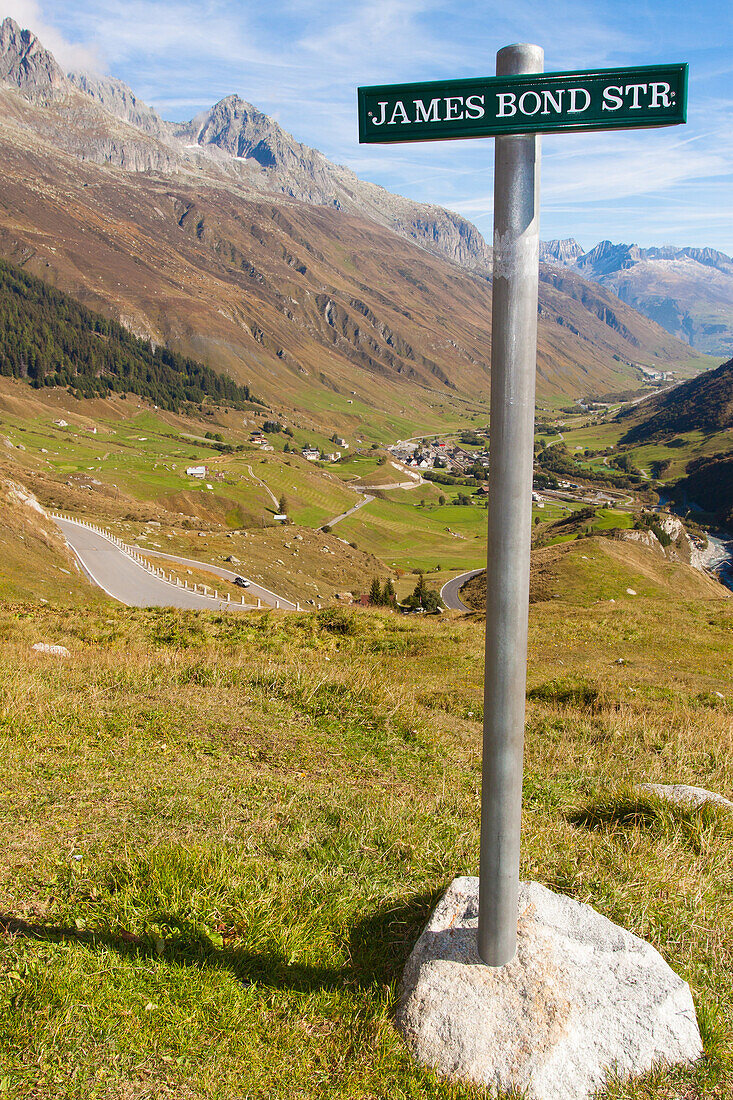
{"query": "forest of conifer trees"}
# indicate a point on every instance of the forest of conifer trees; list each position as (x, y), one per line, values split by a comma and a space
(50, 339)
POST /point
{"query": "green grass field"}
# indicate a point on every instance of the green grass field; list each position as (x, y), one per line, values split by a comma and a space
(222, 836)
(605, 519)
(453, 536)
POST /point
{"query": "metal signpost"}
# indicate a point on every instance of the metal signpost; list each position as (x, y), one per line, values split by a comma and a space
(516, 106)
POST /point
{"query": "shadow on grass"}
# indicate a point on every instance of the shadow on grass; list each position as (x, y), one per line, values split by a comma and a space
(623, 809)
(692, 824)
(377, 948)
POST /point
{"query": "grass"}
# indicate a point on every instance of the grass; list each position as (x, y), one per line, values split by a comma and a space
(403, 532)
(224, 834)
(601, 571)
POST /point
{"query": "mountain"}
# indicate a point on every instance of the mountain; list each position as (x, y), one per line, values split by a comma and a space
(688, 291)
(563, 253)
(27, 65)
(230, 242)
(704, 404)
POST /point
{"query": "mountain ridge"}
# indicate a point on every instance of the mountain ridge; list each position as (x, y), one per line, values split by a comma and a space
(686, 290)
(283, 165)
(194, 248)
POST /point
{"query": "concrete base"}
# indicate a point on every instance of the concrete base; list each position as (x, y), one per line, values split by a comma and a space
(581, 997)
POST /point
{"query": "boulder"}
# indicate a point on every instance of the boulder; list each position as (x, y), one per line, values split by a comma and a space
(581, 998)
(683, 795)
(54, 650)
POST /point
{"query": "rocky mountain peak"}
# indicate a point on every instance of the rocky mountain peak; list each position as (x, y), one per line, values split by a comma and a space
(25, 63)
(120, 100)
(241, 130)
(607, 257)
(560, 252)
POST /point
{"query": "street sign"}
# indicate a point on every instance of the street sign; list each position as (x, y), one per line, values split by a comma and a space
(543, 103)
(515, 107)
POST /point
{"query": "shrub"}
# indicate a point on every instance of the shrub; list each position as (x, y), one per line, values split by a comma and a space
(567, 691)
(335, 620)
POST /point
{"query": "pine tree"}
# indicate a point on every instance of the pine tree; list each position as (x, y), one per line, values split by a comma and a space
(375, 593)
(420, 590)
(53, 340)
(388, 593)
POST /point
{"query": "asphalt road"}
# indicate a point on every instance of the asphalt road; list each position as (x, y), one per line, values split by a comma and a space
(449, 591)
(124, 579)
(251, 594)
(337, 519)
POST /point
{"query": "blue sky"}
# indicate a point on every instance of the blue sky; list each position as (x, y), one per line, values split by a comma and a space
(301, 61)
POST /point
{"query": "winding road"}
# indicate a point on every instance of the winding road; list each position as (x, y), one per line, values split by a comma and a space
(123, 578)
(254, 590)
(449, 591)
(337, 519)
(269, 491)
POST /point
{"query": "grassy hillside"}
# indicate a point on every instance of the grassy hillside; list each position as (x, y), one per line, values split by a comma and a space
(122, 461)
(601, 571)
(122, 456)
(703, 404)
(222, 836)
(709, 483)
(34, 561)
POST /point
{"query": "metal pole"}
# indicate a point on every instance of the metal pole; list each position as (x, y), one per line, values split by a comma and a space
(513, 360)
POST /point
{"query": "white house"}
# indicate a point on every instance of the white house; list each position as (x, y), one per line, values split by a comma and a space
(196, 471)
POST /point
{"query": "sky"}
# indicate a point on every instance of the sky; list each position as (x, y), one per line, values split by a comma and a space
(301, 61)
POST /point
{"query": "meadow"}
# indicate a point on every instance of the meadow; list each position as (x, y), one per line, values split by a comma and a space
(223, 834)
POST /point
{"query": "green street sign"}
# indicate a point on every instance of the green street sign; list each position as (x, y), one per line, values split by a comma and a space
(600, 99)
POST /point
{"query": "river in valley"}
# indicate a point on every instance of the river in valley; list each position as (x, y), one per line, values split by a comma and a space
(719, 556)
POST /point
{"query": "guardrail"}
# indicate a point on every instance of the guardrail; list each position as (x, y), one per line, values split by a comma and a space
(169, 578)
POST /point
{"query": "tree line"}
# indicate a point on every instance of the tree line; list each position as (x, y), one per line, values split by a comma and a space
(50, 339)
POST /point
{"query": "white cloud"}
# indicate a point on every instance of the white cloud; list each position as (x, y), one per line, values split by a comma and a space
(373, 38)
(70, 55)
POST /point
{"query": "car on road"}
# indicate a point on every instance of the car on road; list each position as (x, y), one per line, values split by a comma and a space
(242, 582)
